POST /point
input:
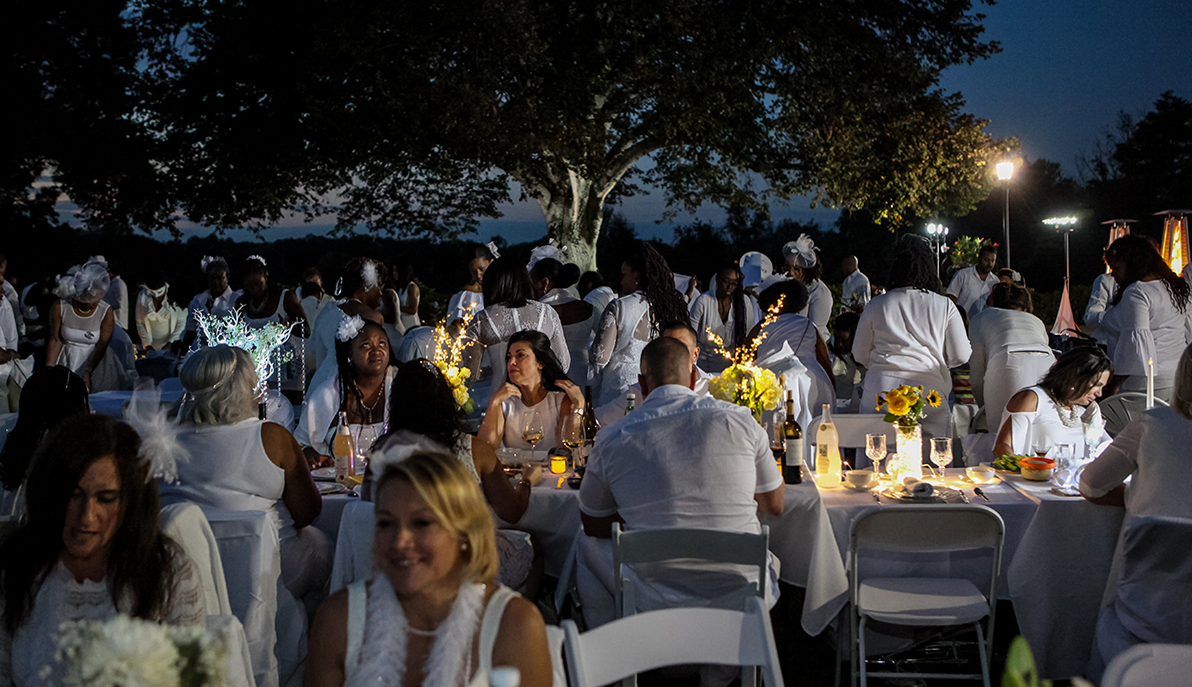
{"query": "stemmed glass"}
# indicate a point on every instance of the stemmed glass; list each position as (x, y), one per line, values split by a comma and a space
(1065, 455)
(366, 436)
(875, 448)
(532, 431)
(573, 438)
(941, 455)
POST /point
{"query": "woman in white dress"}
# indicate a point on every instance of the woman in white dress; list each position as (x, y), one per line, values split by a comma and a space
(537, 385)
(634, 320)
(911, 335)
(360, 387)
(1061, 409)
(262, 304)
(409, 296)
(803, 264)
(89, 549)
(470, 299)
(728, 314)
(238, 462)
(507, 292)
(432, 608)
(81, 329)
(803, 338)
(1010, 349)
(552, 282)
(1148, 318)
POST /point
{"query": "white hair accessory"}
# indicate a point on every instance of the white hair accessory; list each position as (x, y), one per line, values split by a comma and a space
(99, 260)
(492, 248)
(91, 282)
(397, 447)
(207, 260)
(349, 328)
(801, 252)
(160, 449)
(158, 293)
(64, 285)
(550, 250)
(368, 273)
(258, 259)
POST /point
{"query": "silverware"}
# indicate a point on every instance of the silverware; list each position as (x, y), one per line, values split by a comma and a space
(963, 496)
(876, 497)
(980, 493)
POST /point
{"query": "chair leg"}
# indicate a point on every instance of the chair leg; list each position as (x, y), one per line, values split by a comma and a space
(860, 648)
(984, 657)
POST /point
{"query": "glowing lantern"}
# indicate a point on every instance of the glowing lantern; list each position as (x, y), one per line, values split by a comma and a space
(1175, 239)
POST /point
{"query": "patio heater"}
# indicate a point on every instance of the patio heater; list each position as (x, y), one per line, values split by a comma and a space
(1175, 239)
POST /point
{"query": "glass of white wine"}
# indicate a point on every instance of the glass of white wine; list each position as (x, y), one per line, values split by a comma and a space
(875, 448)
(532, 431)
(574, 439)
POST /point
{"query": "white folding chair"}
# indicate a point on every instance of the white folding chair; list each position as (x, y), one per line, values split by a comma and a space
(654, 546)
(922, 601)
(1118, 410)
(1147, 665)
(675, 636)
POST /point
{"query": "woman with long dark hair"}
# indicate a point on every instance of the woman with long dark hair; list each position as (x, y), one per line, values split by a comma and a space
(648, 301)
(728, 313)
(89, 548)
(537, 384)
(912, 335)
(1148, 318)
(508, 310)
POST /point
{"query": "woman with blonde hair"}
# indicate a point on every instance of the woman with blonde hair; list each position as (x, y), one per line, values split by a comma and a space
(432, 609)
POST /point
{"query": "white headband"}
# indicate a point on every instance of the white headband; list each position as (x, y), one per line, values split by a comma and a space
(492, 248)
(258, 259)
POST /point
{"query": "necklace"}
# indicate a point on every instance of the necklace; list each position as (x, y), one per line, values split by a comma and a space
(365, 405)
(1070, 417)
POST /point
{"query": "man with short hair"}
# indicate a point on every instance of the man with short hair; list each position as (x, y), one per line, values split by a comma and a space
(682, 330)
(973, 283)
(679, 460)
(855, 292)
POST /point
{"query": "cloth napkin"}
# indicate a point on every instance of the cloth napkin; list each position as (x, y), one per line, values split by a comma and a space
(917, 488)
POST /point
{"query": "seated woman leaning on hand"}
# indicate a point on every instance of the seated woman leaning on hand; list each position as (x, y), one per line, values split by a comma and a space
(1061, 409)
(431, 609)
(537, 385)
(89, 549)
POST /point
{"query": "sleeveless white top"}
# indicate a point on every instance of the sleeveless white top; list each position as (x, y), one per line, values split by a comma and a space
(548, 414)
(229, 470)
(617, 350)
(490, 624)
(79, 335)
(578, 335)
(403, 299)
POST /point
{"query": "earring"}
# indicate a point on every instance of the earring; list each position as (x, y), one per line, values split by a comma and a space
(463, 546)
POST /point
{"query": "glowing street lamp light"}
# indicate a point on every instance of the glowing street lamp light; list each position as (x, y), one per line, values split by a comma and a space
(1005, 171)
(937, 232)
(1066, 225)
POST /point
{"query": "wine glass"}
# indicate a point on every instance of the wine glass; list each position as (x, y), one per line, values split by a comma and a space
(573, 438)
(941, 454)
(366, 436)
(875, 448)
(532, 431)
(1065, 454)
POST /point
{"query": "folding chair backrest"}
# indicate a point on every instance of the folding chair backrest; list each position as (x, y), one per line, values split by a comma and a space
(1154, 596)
(653, 546)
(1118, 410)
(1146, 665)
(673, 636)
(852, 429)
(928, 528)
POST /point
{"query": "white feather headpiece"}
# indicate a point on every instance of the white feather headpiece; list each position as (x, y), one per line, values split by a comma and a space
(492, 248)
(160, 449)
(349, 328)
(801, 252)
(91, 282)
(368, 272)
(550, 250)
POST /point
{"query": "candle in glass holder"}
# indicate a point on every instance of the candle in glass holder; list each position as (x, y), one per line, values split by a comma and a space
(558, 464)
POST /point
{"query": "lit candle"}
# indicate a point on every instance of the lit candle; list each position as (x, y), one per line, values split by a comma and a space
(1150, 383)
(558, 464)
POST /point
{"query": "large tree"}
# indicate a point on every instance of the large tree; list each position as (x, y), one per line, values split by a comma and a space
(413, 116)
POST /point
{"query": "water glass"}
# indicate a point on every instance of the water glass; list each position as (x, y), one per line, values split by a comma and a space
(941, 453)
(875, 448)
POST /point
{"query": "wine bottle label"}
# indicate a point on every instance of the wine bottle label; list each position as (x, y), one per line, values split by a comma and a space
(794, 452)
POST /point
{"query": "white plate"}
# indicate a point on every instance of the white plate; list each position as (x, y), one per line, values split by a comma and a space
(327, 488)
(323, 474)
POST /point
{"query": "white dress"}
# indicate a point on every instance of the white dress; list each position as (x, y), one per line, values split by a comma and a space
(1144, 326)
(617, 350)
(799, 333)
(403, 299)
(705, 318)
(79, 338)
(496, 323)
(464, 302)
(515, 413)
(62, 599)
(1010, 353)
(578, 335)
(819, 307)
(911, 336)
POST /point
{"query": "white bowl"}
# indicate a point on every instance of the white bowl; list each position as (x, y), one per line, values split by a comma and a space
(861, 479)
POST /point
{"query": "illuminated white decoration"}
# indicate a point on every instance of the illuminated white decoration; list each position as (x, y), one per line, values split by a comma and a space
(263, 344)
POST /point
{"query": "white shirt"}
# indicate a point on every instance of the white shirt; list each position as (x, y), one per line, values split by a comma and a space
(968, 287)
(10, 294)
(681, 460)
(1145, 325)
(117, 297)
(819, 307)
(221, 305)
(705, 317)
(1154, 449)
(855, 290)
(161, 327)
(1103, 288)
(464, 302)
(614, 410)
(908, 330)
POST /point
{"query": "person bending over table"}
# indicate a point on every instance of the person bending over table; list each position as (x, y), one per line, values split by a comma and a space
(1061, 409)
(81, 329)
(89, 549)
(537, 384)
(431, 613)
(1010, 349)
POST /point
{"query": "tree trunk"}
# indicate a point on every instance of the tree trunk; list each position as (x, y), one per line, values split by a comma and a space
(573, 207)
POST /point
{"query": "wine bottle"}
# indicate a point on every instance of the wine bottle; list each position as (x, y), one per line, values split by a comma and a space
(591, 426)
(630, 400)
(792, 466)
(343, 448)
(827, 453)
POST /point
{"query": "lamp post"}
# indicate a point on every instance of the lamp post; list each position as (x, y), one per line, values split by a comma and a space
(1066, 225)
(1005, 170)
(937, 232)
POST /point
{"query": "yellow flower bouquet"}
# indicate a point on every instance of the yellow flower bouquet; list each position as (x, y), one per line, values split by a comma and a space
(905, 404)
(448, 356)
(747, 385)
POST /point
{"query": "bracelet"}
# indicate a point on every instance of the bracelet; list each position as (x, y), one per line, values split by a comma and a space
(577, 411)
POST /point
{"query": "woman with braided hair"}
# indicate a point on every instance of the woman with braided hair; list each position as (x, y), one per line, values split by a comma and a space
(648, 300)
(911, 335)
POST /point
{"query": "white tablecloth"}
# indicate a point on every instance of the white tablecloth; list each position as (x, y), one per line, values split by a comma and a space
(553, 518)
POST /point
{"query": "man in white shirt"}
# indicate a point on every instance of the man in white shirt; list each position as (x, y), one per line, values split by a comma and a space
(219, 299)
(614, 410)
(972, 283)
(855, 293)
(679, 460)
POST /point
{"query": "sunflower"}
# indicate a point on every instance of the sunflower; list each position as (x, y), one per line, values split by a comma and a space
(898, 404)
(933, 397)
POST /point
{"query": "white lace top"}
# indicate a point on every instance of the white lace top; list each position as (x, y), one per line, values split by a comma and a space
(495, 324)
(62, 599)
(617, 350)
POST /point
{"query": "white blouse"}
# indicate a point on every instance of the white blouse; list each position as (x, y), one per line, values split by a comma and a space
(495, 324)
(1154, 449)
(616, 351)
(1143, 326)
(912, 331)
(819, 307)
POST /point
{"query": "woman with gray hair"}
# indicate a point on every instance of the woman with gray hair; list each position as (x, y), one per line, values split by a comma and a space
(238, 462)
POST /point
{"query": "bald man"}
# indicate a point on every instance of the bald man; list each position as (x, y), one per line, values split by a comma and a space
(681, 330)
(679, 460)
(855, 293)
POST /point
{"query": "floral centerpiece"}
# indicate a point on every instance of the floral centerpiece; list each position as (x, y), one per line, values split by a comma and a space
(128, 652)
(904, 409)
(743, 382)
(448, 357)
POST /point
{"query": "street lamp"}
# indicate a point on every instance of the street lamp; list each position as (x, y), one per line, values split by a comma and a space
(937, 232)
(1066, 225)
(1005, 170)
